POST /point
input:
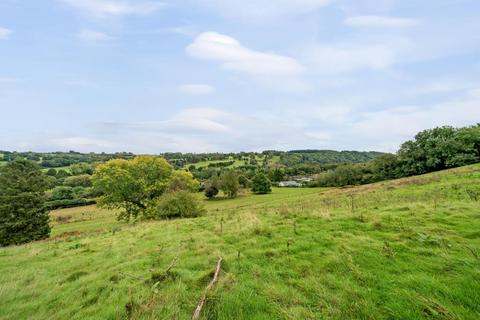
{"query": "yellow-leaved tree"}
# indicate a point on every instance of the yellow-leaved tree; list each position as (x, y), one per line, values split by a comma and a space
(136, 185)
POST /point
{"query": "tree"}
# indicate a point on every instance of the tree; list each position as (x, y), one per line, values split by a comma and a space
(261, 184)
(211, 192)
(229, 183)
(81, 168)
(134, 185)
(51, 172)
(83, 180)
(23, 217)
(244, 182)
(179, 204)
(440, 148)
(183, 180)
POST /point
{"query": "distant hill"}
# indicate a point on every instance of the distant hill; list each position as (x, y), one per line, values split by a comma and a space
(327, 156)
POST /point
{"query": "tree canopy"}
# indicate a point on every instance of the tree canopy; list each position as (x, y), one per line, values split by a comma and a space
(23, 217)
(261, 184)
(133, 185)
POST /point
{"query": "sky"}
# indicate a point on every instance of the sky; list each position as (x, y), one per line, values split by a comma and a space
(150, 76)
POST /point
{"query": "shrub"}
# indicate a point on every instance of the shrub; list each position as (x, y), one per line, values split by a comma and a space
(61, 193)
(211, 192)
(180, 204)
(229, 183)
(83, 180)
(23, 216)
(261, 184)
(68, 203)
(244, 182)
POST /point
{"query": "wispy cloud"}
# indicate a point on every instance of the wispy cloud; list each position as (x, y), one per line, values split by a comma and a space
(350, 57)
(262, 9)
(93, 36)
(106, 8)
(9, 80)
(232, 55)
(81, 143)
(196, 89)
(5, 33)
(372, 21)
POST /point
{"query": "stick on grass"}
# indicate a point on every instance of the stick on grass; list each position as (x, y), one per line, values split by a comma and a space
(198, 310)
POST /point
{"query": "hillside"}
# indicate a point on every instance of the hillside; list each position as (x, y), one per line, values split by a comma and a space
(401, 249)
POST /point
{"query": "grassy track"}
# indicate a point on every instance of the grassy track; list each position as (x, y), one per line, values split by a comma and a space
(406, 249)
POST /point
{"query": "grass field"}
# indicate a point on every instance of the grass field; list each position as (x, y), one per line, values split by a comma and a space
(404, 249)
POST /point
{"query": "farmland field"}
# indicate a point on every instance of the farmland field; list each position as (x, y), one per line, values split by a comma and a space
(402, 249)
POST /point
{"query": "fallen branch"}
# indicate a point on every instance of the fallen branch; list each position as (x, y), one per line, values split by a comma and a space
(157, 277)
(198, 310)
(172, 264)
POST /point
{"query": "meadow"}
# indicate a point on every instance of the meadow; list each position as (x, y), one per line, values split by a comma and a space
(401, 249)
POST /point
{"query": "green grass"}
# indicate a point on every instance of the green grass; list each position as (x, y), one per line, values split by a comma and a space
(409, 249)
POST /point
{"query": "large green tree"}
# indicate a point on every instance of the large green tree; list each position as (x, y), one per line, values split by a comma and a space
(135, 185)
(229, 183)
(440, 148)
(23, 217)
(261, 184)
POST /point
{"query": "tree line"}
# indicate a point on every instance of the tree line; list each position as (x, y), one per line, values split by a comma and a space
(431, 150)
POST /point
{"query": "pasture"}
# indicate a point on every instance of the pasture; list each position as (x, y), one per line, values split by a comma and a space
(402, 249)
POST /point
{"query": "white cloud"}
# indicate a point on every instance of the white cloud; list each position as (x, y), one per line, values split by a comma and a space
(262, 9)
(93, 36)
(105, 8)
(344, 58)
(196, 89)
(399, 124)
(380, 22)
(194, 120)
(233, 56)
(5, 33)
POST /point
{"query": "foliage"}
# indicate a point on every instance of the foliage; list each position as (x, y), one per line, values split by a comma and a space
(431, 150)
(440, 148)
(261, 184)
(23, 217)
(183, 180)
(244, 181)
(229, 183)
(211, 191)
(133, 185)
(83, 180)
(179, 204)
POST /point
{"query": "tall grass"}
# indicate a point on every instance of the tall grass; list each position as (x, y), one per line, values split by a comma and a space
(409, 249)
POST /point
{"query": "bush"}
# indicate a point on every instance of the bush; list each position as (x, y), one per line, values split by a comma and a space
(23, 216)
(61, 193)
(211, 192)
(68, 203)
(244, 182)
(261, 184)
(229, 183)
(83, 180)
(180, 204)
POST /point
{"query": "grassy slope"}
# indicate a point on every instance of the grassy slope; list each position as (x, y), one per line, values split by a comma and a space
(409, 250)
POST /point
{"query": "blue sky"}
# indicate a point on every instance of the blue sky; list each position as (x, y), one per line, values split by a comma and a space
(210, 75)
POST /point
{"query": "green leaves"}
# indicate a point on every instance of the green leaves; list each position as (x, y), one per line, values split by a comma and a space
(134, 185)
(23, 217)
